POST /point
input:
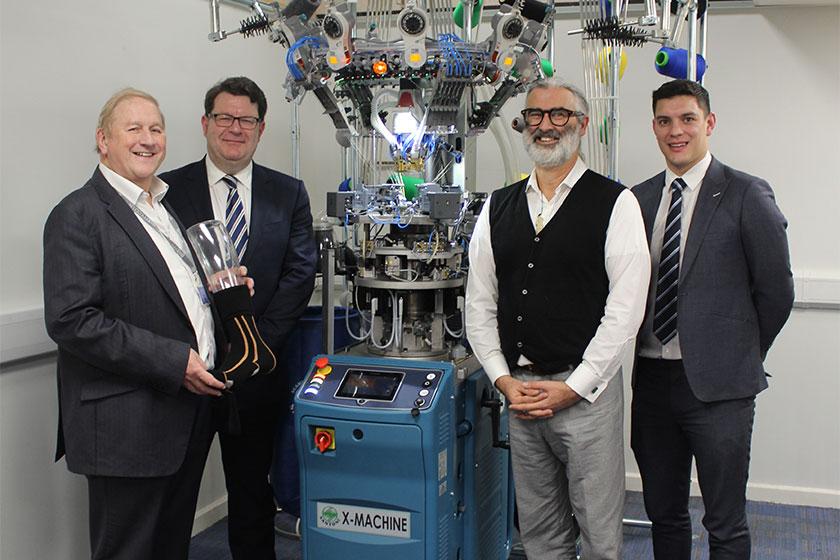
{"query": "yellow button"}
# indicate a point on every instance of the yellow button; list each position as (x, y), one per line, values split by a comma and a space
(333, 59)
(326, 370)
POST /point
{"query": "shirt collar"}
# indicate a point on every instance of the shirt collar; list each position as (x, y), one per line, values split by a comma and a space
(214, 174)
(131, 191)
(693, 177)
(570, 181)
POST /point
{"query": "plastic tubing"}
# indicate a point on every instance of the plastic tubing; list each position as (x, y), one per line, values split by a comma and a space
(674, 63)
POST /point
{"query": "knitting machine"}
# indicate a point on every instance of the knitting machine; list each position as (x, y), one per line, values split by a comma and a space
(403, 457)
(407, 87)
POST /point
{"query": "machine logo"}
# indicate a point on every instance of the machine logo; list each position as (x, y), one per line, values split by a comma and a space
(373, 521)
(329, 516)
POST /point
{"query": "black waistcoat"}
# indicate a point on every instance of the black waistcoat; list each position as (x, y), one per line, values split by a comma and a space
(553, 285)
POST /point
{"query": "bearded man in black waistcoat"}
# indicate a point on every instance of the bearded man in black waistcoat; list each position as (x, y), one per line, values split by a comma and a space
(559, 267)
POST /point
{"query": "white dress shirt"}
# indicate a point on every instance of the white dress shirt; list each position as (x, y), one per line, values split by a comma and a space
(199, 314)
(627, 264)
(219, 189)
(649, 345)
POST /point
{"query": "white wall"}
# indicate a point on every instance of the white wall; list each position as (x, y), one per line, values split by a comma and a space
(774, 81)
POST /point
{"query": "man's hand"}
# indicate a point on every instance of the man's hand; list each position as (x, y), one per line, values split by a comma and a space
(552, 396)
(516, 392)
(200, 381)
(242, 273)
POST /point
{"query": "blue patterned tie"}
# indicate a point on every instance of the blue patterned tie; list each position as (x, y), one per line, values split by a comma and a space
(235, 217)
(667, 284)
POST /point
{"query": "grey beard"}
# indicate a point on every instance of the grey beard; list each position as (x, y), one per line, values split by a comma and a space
(542, 156)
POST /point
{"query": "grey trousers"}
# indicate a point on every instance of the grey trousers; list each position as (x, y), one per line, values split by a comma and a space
(571, 463)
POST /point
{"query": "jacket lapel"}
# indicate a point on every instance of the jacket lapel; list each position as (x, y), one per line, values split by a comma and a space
(122, 213)
(260, 206)
(649, 200)
(198, 192)
(711, 193)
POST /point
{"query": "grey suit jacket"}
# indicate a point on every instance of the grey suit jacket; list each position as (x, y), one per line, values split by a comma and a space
(123, 338)
(736, 286)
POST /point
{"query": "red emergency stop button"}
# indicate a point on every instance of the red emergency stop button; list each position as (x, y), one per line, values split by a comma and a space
(321, 362)
(324, 439)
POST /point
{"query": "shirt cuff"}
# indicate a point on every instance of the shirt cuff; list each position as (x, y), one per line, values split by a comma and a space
(586, 383)
(495, 367)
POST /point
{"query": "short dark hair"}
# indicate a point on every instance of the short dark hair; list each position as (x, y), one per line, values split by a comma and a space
(675, 88)
(239, 85)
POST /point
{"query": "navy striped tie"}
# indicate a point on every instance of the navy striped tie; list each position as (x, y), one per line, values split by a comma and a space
(667, 283)
(235, 221)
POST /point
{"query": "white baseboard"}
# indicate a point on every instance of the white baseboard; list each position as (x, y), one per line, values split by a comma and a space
(210, 514)
(775, 493)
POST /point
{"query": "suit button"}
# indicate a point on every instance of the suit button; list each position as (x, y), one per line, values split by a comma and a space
(519, 345)
(536, 240)
(524, 292)
(530, 265)
(519, 318)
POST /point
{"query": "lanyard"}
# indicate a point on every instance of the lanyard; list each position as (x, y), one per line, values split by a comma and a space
(185, 258)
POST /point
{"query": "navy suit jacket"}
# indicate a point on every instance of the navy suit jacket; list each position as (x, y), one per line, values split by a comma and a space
(736, 285)
(281, 254)
(123, 338)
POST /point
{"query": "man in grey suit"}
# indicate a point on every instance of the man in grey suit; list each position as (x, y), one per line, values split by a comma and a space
(135, 337)
(721, 290)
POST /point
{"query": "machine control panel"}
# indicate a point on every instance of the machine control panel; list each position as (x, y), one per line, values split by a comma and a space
(371, 385)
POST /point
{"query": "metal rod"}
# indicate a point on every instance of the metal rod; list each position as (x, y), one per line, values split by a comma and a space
(467, 19)
(216, 33)
(550, 45)
(295, 139)
(692, 42)
(702, 48)
(327, 298)
(666, 18)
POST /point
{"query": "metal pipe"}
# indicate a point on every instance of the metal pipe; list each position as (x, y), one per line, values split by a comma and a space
(692, 41)
(703, 43)
(216, 33)
(615, 61)
(550, 45)
(468, 13)
(295, 139)
(666, 18)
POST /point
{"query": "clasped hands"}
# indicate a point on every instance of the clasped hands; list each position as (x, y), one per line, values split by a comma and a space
(536, 399)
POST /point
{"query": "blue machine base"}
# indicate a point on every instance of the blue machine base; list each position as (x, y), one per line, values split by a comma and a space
(397, 462)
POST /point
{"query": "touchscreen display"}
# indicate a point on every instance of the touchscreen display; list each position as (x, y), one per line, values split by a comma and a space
(371, 385)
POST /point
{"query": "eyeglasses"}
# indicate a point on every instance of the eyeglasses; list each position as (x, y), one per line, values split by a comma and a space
(224, 120)
(558, 116)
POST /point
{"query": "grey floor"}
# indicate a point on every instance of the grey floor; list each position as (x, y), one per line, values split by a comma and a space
(779, 532)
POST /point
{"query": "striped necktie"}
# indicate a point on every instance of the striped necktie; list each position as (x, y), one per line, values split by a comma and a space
(667, 284)
(235, 221)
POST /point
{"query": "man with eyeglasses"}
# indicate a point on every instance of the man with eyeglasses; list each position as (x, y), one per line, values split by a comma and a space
(559, 267)
(268, 216)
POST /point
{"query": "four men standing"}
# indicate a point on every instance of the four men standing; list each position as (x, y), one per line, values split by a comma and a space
(561, 277)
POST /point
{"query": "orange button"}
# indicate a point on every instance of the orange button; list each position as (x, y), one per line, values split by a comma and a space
(321, 362)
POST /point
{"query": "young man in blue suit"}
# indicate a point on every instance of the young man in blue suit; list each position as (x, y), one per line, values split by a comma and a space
(269, 218)
(721, 290)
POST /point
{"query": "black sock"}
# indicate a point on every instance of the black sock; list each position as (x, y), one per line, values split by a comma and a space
(248, 353)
